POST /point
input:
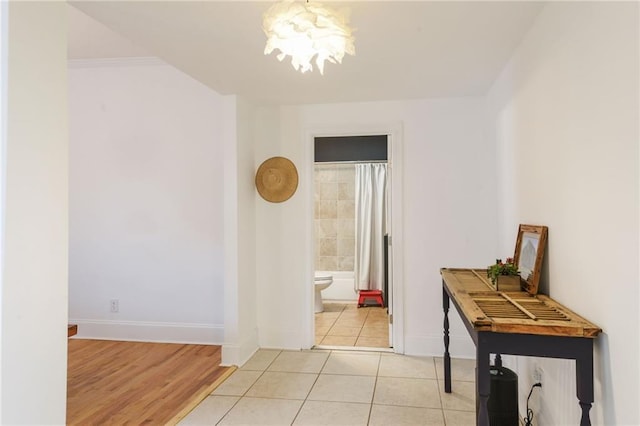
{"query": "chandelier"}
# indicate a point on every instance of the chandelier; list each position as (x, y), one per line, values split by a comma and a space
(307, 30)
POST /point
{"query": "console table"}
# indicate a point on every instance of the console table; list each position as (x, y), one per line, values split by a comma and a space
(516, 323)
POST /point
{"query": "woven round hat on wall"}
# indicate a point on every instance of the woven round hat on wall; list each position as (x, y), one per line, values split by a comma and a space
(277, 179)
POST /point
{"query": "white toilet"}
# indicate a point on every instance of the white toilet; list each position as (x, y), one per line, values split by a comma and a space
(322, 280)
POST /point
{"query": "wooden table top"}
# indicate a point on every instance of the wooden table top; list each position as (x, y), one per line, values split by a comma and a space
(511, 312)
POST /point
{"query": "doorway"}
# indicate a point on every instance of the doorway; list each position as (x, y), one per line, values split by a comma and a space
(352, 221)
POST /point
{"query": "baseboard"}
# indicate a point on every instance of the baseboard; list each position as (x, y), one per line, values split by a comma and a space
(236, 354)
(433, 345)
(281, 339)
(158, 332)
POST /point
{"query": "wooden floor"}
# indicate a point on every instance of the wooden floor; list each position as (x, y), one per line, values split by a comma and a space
(112, 382)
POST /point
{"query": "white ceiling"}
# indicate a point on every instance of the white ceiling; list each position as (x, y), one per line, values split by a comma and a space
(404, 50)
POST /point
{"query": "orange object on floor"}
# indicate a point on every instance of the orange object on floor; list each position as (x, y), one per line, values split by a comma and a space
(370, 294)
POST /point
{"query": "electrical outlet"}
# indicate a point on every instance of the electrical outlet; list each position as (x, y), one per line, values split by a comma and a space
(114, 305)
(537, 374)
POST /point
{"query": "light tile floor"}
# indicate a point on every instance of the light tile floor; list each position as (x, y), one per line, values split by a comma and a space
(344, 324)
(322, 387)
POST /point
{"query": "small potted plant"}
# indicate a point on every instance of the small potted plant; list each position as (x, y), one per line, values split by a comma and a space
(504, 276)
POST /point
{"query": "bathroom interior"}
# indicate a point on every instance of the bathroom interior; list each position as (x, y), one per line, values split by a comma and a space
(351, 219)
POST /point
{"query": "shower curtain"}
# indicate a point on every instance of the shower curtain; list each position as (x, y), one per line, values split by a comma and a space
(370, 205)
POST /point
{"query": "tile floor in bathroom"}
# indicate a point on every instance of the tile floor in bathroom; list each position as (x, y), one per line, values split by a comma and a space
(344, 324)
(339, 387)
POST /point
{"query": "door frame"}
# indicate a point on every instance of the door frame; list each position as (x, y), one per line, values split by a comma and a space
(396, 250)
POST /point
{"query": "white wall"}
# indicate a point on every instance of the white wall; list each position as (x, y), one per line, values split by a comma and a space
(146, 203)
(282, 243)
(564, 113)
(449, 210)
(35, 216)
(4, 31)
(240, 297)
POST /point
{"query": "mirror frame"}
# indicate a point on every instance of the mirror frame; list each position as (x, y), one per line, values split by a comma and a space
(526, 232)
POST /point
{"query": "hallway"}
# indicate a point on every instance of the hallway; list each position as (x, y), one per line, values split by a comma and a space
(340, 388)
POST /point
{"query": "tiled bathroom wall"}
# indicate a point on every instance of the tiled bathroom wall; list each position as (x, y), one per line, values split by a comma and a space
(335, 216)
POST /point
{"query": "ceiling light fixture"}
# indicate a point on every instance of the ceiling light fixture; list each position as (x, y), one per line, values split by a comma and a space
(307, 30)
